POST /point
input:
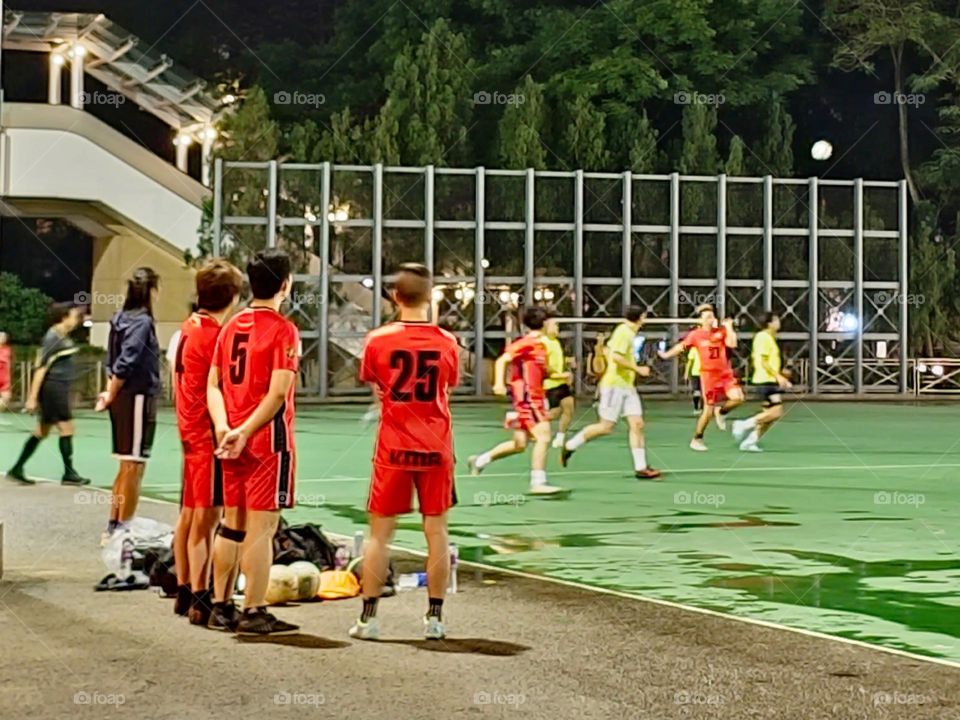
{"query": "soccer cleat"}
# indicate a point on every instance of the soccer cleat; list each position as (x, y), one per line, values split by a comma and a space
(181, 606)
(747, 446)
(200, 609)
(224, 616)
(565, 454)
(698, 445)
(648, 474)
(369, 630)
(258, 622)
(719, 418)
(433, 629)
(739, 429)
(74, 478)
(472, 464)
(545, 490)
(17, 474)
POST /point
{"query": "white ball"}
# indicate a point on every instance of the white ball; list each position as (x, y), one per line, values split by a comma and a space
(821, 150)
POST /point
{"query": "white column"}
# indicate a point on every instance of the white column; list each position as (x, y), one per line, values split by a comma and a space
(182, 142)
(209, 138)
(55, 78)
(77, 54)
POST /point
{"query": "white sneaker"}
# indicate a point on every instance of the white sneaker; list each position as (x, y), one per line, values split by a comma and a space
(747, 446)
(545, 489)
(557, 442)
(739, 429)
(369, 630)
(698, 445)
(433, 629)
(472, 464)
(719, 418)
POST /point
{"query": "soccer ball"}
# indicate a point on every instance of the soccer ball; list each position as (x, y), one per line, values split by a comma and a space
(821, 150)
(308, 579)
(284, 585)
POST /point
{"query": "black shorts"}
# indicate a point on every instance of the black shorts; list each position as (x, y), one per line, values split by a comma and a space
(54, 402)
(555, 395)
(133, 420)
(770, 393)
(695, 385)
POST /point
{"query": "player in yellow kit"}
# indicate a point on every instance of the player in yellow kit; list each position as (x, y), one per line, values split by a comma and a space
(557, 381)
(769, 380)
(691, 373)
(619, 397)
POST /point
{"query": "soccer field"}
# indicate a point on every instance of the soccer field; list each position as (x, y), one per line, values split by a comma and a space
(846, 525)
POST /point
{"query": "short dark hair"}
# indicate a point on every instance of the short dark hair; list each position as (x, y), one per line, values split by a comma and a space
(58, 311)
(144, 280)
(633, 313)
(267, 272)
(534, 317)
(218, 283)
(413, 285)
(701, 309)
(767, 318)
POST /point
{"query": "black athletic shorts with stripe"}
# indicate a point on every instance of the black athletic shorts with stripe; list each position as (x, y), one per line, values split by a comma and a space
(133, 420)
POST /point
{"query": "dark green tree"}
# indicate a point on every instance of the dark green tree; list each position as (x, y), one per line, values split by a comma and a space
(23, 310)
(521, 127)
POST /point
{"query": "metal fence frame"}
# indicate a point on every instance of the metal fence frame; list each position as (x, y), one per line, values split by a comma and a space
(891, 373)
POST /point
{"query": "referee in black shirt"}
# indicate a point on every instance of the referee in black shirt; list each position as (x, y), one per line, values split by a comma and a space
(50, 394)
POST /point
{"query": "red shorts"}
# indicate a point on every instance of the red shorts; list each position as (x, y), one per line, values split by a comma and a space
(716, 386)
(202, 481)
(391, 490)
(260, 482)
(527, 414)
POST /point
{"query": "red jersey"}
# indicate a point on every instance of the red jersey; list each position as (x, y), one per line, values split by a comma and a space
(198, 340)
(6, 367)
(412, 366)
(528, 368)
(711, 346)
(254, 343)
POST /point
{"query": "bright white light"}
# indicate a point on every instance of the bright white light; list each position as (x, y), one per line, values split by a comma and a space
(468, 294)
(183, 139)
(367, 282)
(821, 150)
(458, 294)
(849, 322)
(484, 263)
(210, 134)
(437, 294)
(228, 99)
(538, 294)
(342, 215)
(331, 217)
(514, 298)
(88, 323)
(309, 216)
(57, 59)
(922, 367)
(828, 360)
(548, 294)
(504, 296)
(937, 370)
(78, 51)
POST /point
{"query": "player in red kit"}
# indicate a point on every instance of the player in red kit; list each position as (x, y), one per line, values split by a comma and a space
(411, 365)
(201, 500)
(6, 371)
(250, 395)
(526, 359)
(721, 391)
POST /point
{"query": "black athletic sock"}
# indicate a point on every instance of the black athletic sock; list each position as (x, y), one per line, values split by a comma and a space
(369, 609)
(28, 449)
(696, 403)
(436, 608)
(66, 452)
(725, 410)
(698, 436)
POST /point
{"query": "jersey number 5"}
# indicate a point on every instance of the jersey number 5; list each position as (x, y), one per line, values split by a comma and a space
(238, 358)
(424, 387)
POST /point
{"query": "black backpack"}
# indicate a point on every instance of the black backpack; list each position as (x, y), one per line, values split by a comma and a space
(303, 542)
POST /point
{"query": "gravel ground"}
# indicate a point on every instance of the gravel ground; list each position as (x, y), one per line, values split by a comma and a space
(519, 647)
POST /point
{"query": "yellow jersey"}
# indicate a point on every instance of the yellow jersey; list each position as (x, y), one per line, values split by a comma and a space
(764, 349)
(556, 363)
(693, 363)
(621, 342)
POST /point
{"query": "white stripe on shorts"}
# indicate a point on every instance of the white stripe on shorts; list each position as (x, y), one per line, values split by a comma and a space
(137, 447)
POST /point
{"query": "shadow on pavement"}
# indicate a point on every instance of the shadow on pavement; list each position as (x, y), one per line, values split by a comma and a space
(473, 646)
(302, 640)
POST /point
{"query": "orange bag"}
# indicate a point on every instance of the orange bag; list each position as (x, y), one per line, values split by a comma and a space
(338, 584)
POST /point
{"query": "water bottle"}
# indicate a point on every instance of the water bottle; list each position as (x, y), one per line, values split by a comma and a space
(126, 556)
(342, 558)
(454, 559)
(410, 581)
(358, 544)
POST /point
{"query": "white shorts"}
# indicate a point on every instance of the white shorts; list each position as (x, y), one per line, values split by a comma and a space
(616, 403)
